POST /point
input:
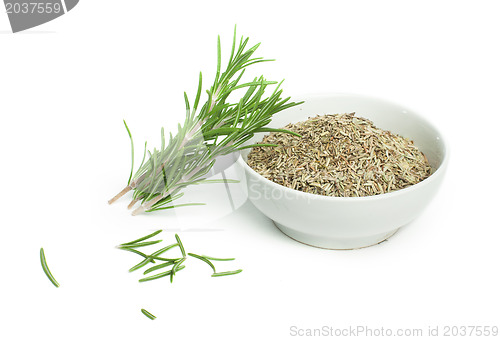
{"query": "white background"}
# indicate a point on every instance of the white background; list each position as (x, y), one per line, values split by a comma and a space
(66, 86)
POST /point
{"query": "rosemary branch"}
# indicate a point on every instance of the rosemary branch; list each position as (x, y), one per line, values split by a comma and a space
(218, 128)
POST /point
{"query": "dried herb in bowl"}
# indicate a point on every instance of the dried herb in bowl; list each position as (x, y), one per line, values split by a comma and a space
(340, 155)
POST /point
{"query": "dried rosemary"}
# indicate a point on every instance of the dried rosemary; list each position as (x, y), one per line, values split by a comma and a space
(340, 155)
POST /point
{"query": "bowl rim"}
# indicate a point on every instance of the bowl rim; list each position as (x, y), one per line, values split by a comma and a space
(439, 171)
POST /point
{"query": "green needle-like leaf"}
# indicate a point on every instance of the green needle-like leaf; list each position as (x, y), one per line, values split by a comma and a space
(132, 148)
(227, 273)
(135, 252)
(218, 259)
(158, 276)
(46, 268)
(138, 245)
(166, 259)
(159, 266)
(203, 259)
(150, 258)
(180, 245)
(177, 266)
(142, 238)
(140, 264)
(148, 314)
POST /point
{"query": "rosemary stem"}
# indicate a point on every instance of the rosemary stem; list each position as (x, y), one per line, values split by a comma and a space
(149, 204)
(134, 201)
(129, 187)
(190, 134)
(120, 194)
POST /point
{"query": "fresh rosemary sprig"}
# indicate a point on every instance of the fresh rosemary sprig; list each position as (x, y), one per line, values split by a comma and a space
(218, 128)
(46, 268)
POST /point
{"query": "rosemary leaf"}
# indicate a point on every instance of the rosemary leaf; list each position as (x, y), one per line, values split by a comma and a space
(175, 206)
(46, 268)
(177, 266)
(218, 259)
(142, 238)
(165, 249)
(140, 264)
(132, 148)
(148, 314)
(204, 259)
(159, 266)
(227, 273)
(135, 252)
(138, 245)
(166, 259)
(158, 276)
(180, 245)
(150, 258)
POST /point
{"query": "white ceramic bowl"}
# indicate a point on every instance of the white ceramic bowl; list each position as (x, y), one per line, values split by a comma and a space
(349, 222)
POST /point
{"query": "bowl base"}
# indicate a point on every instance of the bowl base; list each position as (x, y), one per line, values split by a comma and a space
(335, 243)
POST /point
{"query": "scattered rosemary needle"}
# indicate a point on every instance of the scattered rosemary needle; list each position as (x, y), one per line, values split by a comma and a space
(140, 264)
(142, 238)
(159, 266)
(138, 245)
(227, 273)
(176, 263)
(148, 314)
(134, 251)
(177, 266)
(46, 268)
(180, 245)
(166, 258)
(218, 259)
(157, 276)
(204, 259)
(150, 258)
